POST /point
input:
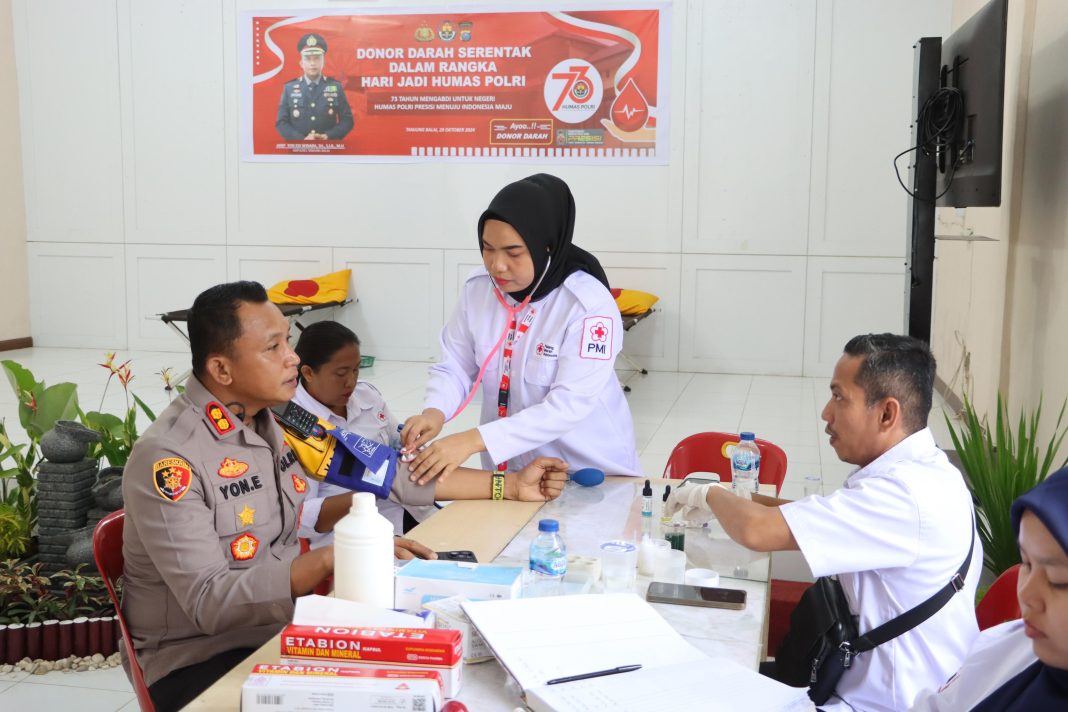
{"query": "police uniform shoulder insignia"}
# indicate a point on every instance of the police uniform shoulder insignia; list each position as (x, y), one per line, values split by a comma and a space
(230, 467)
(244, 547)
(218, 417)
(299, 484)
(247, 516)
(172, 477)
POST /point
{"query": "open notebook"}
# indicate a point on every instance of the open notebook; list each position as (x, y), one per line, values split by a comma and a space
(539, 639)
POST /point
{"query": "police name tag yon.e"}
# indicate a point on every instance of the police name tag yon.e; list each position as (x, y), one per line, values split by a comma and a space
(597, 338)
(379, 464)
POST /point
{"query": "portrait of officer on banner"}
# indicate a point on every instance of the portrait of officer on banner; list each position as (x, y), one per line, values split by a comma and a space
(313, 107)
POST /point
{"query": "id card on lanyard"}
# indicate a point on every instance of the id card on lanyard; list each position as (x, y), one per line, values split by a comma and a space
(515, 333)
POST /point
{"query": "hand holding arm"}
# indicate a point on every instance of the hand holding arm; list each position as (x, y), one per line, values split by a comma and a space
(443, 456)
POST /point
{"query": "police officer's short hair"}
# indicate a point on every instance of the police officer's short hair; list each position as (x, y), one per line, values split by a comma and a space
(320, 341)
(901, 367)
(213, 321)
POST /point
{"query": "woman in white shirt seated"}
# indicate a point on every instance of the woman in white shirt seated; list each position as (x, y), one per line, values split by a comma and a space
(1022, 665)
(538, 328)
(330, 388)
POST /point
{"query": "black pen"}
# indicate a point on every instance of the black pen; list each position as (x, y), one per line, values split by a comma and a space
(599, 673)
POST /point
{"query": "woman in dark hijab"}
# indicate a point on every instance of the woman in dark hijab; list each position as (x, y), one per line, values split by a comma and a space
(538, 328)
(1022, 665)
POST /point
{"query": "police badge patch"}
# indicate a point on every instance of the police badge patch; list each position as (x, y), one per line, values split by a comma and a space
(244, 547)
(172, 477)
(230, 468)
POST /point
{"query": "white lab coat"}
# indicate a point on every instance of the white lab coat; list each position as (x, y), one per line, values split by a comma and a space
(565, 400)
(998, 655)
(367, 415)
(895, 533)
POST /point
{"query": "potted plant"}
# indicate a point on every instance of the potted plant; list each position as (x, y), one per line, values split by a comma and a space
(1000, 465)
(40, 407)
(118, 434)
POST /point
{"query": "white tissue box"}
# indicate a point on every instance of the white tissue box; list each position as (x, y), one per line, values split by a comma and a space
(421, 580)
(449, 614)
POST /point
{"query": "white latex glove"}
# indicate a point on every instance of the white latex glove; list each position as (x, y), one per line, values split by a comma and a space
(691, 503)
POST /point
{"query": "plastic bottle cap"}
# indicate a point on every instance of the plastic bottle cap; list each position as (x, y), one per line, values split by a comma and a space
(364, 502)
(647, 491)
(667, 492)
(548, 525)
(748, 436)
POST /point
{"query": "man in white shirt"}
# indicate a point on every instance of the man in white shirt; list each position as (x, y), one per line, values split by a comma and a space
(894, 534)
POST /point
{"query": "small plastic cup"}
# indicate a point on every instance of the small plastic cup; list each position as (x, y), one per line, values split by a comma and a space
(670, 566)
(619, 562)
(813, 485)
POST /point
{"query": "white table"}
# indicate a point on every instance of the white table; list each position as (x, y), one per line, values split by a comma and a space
(502, 532)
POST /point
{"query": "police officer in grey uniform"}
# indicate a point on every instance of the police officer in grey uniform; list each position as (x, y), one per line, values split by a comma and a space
(213, 495)
(313, 106)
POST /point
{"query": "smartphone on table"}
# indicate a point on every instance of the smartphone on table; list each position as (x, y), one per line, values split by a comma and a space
(465, 555)
(702, 596)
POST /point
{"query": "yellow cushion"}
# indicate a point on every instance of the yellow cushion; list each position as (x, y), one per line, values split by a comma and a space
(333, 287)
(632, 302)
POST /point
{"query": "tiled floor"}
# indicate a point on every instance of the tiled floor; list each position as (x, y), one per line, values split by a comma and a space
(666, 407)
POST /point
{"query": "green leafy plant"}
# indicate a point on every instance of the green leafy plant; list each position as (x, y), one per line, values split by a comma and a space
(27, 596)
(1000, 466)
(82, 595)
(117, 434)
(40, 406)
(24, 593)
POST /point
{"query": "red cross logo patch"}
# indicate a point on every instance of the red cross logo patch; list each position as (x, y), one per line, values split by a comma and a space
(597, 333)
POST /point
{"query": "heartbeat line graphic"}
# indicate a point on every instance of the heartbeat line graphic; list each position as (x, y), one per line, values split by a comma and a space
(628, 111)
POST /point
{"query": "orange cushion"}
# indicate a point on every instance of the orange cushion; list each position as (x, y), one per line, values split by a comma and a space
(632, 302)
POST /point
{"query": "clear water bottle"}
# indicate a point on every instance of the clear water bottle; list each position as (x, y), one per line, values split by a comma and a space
(745, 467)
(548, 559)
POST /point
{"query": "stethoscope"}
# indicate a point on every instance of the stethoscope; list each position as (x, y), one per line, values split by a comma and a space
(512, 312)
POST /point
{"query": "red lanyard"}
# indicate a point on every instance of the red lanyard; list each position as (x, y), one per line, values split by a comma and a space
(515, 333)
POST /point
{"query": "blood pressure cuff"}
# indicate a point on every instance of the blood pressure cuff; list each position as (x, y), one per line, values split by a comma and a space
(345, 459)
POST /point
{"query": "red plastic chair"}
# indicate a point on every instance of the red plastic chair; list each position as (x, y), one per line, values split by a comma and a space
(107, 552)
(705, 452)
(1000, 603)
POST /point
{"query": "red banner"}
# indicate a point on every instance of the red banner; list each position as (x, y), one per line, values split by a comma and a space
(562, 85)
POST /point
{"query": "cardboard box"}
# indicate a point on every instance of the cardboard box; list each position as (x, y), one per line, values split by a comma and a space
(330, 688)
(421, 580)
(403, 648)
(450, 616)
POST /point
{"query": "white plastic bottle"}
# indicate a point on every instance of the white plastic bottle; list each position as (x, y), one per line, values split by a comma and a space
(745, 467)
(363, 554)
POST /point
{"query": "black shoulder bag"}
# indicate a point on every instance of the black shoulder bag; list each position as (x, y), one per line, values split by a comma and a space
(823, 636)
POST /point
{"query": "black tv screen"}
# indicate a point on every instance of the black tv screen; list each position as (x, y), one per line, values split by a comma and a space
(973, 61)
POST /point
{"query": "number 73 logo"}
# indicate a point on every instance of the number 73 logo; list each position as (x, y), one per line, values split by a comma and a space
(573, 90)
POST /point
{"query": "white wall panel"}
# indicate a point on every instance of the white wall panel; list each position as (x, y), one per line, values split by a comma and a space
(863, 111)
(174, 137)
(77, 295)
(163, 278)
(749, 137)
(399, 313)
(743, 314)
(270, 265)
(69, 103)
(458, 266)
(654, 342)
(849, 296)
